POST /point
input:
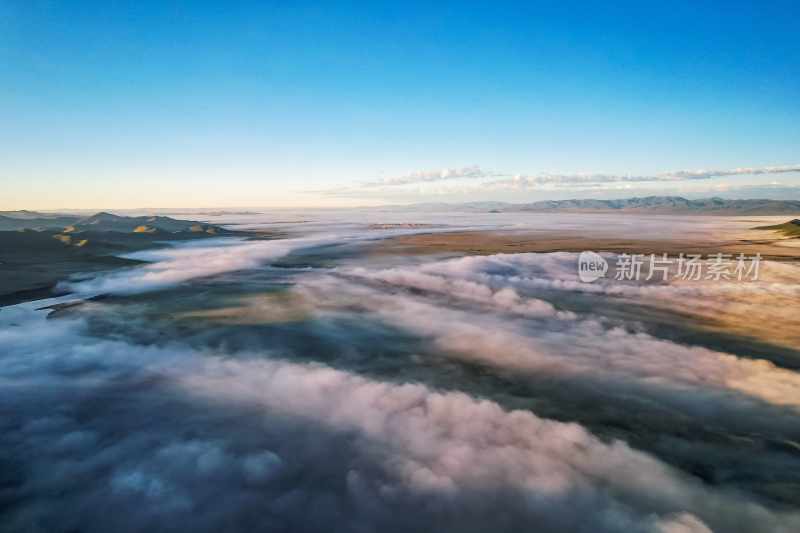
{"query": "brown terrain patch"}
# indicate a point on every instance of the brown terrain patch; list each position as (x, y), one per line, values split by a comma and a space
(485, 243)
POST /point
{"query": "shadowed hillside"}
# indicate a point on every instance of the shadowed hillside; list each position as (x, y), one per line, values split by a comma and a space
(103, 222)
(37, 250)
(790, 229)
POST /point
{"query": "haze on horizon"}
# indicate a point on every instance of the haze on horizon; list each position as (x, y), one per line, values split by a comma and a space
(158, 104)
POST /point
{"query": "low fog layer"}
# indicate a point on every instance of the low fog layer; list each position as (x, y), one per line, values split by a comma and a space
(306, 385)
(165, 435)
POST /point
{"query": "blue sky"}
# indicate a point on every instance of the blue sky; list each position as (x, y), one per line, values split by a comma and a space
(180, 104)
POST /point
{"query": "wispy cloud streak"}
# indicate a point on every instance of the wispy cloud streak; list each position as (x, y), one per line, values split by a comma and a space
(485, 180)
(535, 181)
(428, 176)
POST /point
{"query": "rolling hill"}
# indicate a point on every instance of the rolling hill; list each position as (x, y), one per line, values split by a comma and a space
(37, 250)
(790, 229)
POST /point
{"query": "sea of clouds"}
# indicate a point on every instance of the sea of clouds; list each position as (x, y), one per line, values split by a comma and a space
(102, 435)
(107, 432)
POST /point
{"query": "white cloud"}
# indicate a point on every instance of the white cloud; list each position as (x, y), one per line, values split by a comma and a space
(171, 266)
(572, 348)
(547, 181)
(427, 176)
(570, 180)
(167, 435)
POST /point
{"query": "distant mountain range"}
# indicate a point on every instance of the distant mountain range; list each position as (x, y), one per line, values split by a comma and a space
(17, 220)
(672, 204)
(665, 205)
(143, 224)
(100, 222)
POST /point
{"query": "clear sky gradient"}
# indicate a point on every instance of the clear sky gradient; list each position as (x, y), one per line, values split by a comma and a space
(115, 104)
